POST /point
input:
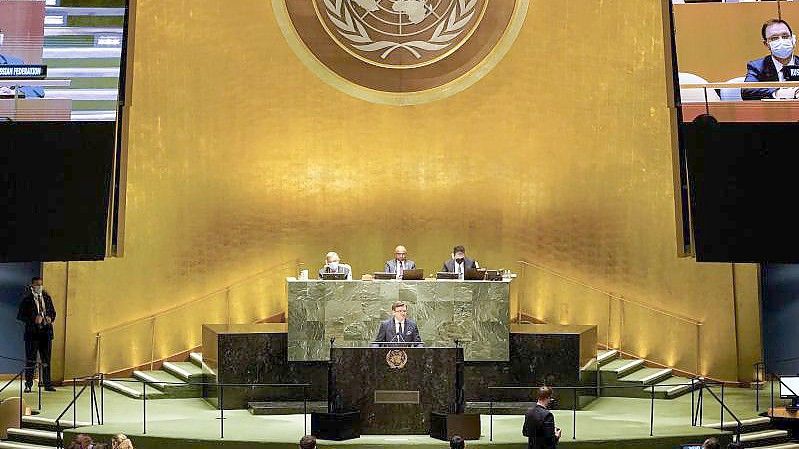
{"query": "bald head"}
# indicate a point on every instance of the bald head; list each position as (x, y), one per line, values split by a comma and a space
(400, 252)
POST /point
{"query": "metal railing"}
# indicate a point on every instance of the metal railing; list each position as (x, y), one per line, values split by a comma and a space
(696, 409)
(611, 311)
(217, 306)
(220, 387)
(96, 406)
(21, 376)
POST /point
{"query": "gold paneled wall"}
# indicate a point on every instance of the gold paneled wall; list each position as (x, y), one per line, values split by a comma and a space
(242, 162)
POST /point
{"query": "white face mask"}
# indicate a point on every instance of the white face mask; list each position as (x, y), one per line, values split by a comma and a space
(333, 266)
(782, 48)
(37, 289)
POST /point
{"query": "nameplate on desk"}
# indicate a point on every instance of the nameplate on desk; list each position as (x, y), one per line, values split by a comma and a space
(26, 71)
(396, 397)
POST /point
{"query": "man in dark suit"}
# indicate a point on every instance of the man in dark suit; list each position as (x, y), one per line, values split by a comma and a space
(779, 39)
(459, 262)
(399, 263)
(539, 424)
(36, 310)
(399, 328)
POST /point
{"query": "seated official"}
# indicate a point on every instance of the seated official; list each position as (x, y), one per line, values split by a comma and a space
(399, 263)
(399, 328)
(333, 265)
(459, 262)
(780, 40)
(21, 91)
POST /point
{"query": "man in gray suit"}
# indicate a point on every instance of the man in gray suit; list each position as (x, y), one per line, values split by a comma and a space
(399, 328)
(333, 265)
(459, 262)
(399, 263)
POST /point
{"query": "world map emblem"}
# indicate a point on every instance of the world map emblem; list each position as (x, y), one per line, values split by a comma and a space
(400, 51)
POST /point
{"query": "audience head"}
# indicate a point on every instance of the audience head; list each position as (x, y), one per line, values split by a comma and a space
(711, 443)
(308, 442)
(81, 441)
(400, 252)
(121, 441)
(544, 396)
(457, 442)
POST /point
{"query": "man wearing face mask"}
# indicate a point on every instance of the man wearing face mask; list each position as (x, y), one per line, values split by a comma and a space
(780, 40)
(333, 265)
(37, 312)
(459, 262)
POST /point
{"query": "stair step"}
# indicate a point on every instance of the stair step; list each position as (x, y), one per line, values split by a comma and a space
(15, 445)
(781, 446)
(764, 437)
(745, 423)
(38, 422)
(604, 356)
(622, 367)
(285, 407)
(168, 384)
(186, 371)
(132, 388)
(196, 358)
(33, 436)
(673, 387)
(647, 376)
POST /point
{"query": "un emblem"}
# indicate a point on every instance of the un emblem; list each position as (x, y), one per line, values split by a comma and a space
(396, 358)
(400, 51)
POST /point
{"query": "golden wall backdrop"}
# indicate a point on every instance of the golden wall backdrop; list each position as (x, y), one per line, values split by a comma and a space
(242, 162)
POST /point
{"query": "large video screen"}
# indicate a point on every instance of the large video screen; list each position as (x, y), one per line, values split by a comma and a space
(60, 60)
(720, 45)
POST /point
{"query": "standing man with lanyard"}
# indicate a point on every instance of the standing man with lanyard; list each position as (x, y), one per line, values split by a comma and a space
(37, 312)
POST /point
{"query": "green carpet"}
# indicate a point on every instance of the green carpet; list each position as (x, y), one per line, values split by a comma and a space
(192, 423)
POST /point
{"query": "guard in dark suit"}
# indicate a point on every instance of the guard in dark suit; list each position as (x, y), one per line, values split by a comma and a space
(459, 262)
(779, 39)
(399, 328)
(37, 312)
(539, 424)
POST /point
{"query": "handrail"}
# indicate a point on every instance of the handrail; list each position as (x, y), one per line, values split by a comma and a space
(613, 295)
(73, 404)
(221, 398)
(738, 423)
(179, 306)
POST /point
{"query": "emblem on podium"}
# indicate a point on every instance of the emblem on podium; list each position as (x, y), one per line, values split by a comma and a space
(396, 358)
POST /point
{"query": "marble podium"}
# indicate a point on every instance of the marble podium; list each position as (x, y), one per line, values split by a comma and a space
(395, 396)
(473, 312)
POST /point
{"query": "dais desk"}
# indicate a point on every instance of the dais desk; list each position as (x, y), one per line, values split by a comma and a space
(476, 313)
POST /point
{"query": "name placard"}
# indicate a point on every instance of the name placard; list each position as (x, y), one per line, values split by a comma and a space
(27, 71)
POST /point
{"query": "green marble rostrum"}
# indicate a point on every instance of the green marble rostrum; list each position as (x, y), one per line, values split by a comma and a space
(473, 312)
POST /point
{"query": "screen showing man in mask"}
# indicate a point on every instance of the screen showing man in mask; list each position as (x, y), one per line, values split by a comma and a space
(780, 41)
